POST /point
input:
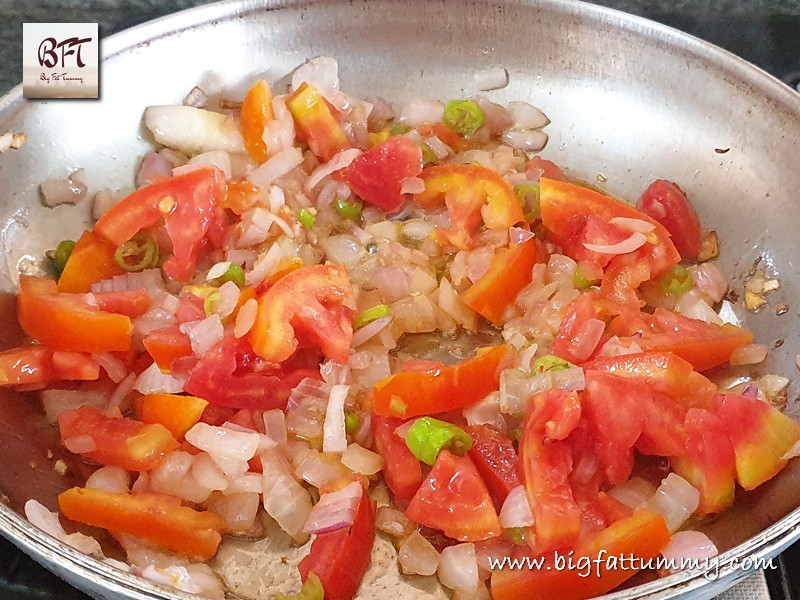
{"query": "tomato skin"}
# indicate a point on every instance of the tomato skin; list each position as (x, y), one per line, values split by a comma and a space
(119, 442)
(454, 500)
(761, 436)
(577, 336)
(65, 322)
(538, 168)
(665, 202)
(131, 303)
(402, 471)
(177, 413)
(546, 460)
(256, 112)
(315, 122)
(166, 345)
(509, 272)
(75, 366)
(340, 558)
(496, 460)
(92, 259)
(157, 519)
(642, 535)
(307, 303)
(473, 195)
(442, 388)
(377, 175)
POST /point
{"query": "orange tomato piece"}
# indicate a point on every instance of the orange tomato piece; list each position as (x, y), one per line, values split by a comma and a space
(509, 272)
(166, 345)
(175, 412)
(440, 389)
(65, 322)
(315, 122)
(92, 260)
(256, 113)
(26, 365)
(160, 520)
(473, 196)
(240, 196)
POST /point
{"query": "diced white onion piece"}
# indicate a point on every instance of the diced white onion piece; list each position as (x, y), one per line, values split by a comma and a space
(227, 299)
(516, 510)
(153, 381)
(110, 479)
(154, 167)
(692, 306)
(279, 132)
(394, 522)
(207, 472)
(339, 161)
(285, 500)
(275, 425)
(335, 510)
(243, 483)
(633, 493)
(194, 130)
(772, 386)
(675, 499)
(727, 314)
(486, 412)
(393, 283)
(439, 148)
(370, 330)
(204, 334)
(239, 510)
(322, 72)
(213, 158)
(318, 468)
(56, 401)
(517, 235)
(80, 444)
(492, 78)
(245, 318)
(334, 438)
(343, 249)
(149, 279)
(458, 568)
(113, 366)
(218, 270)
(633, 242)
(688, 548)
(749, 355)
(417, 556)
(196, 97)
(629, 224)
(121, 391)
(526, 116)
(223, 442)
(277, 166)
(362, 461)
(517, 386)
(709, 281)
(264, 441)
(419, 111)
(64, 191)
(412, 185)
(39, 516)
(265, 265)
(531, 140)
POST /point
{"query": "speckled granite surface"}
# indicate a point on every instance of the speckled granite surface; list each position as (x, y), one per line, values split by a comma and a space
(766, 32)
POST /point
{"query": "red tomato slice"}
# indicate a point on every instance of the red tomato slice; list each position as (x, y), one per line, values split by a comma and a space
(580, 331)
(377, 175)
(665, 202)
(315, 122)
(306, 303)
(118, 442)
(166, 345)
(708, 462)
(341, 558)
(402, 471)
(454, 500)
(231, 375)
(414, 393)
(496, 460)
(538, 168)
(157, 519)
(65, 322)
(546, 466)
(92, 259)
(26, 365)
(131, 303)
(75, 366)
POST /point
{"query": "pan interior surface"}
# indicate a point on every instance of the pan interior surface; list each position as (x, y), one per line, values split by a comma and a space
(629, 101)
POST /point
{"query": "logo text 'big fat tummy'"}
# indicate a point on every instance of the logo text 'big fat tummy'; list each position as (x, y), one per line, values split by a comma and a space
(60, 60)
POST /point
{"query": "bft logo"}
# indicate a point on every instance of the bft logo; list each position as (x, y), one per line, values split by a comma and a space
(48, 57)
(60, 60)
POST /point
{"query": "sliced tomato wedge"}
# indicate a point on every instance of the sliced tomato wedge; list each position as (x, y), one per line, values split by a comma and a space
(131, 303)
(26, 365)
(178, 413)
(665, 202)
(92, 260)
(340, 558)
(402, 471)
(454, 500)
(256, 112)
(440, 389)
(115, 441)
(315, 122)
(580, 331)
(307, 304)
(65, 322)
(509, 272)
(166, 345)
(377, 175)
(473, 196)
(495, 458)
(157, 519)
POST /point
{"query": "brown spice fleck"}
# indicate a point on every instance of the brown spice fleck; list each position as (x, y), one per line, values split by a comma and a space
(781, 309)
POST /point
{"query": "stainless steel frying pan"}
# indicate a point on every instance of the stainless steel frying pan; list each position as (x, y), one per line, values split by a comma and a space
(629, 101)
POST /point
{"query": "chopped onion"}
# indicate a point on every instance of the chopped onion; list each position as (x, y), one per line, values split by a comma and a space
(495, 121)
(633, 225)
(585, 340)
(394, 522)
(122, 390)
(223, 442)
(749, 355)
(80, 444)
(439, 148)
(208, 473)
(149, 279)
(39, 516)
(518, 235)
(419, 111)
(692, 306)
(277, 166)
(196, 97)
(370, 330)
(110, 479)
(417, 556)
(56, 402)
(335, 510)
(238, 510)
(687, 548)
(517, 386)
(154, 167)
(317, 468)
(675, 499)
(64, 191)
(264, 441)
(114, 367)
(493, 78)
(334, 437)
(773, 386)
(343, 249)
(486, 412)
(709, 281)
(516, 511)
(153, 381)
(412, 185)
(214, 158)
(275, 425)
(245, 318)
(279, 132)
(635, 241)
(633, 493)
(103, 201)
(526, 116)
(339, 161)
(452, 304)
(323, 73)
(284, 499)
(362, 461)
(531, 140)
(204, 334)
(393, 283)
(194, 130)
(458, 568)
